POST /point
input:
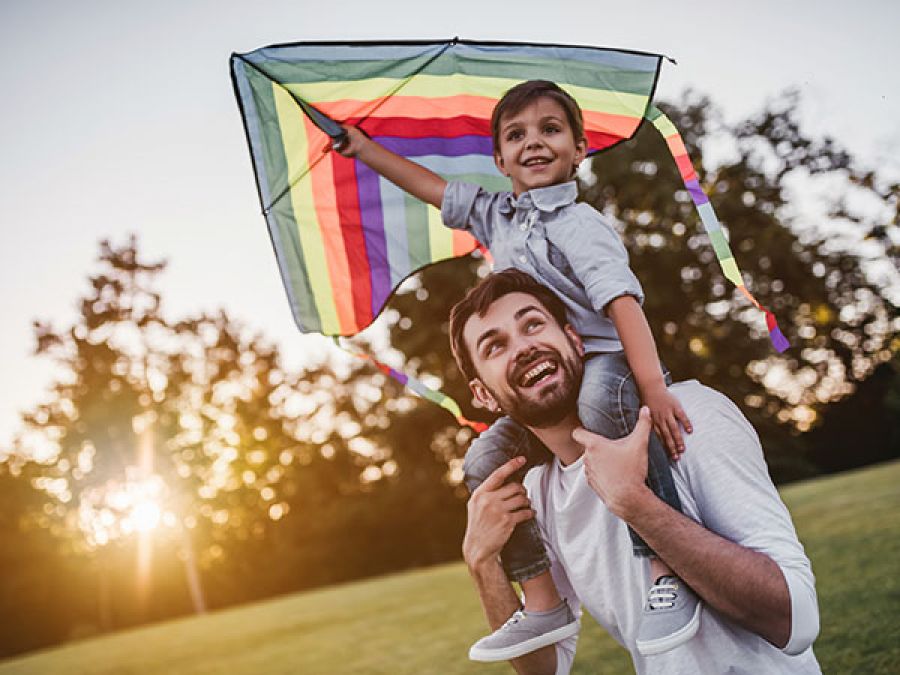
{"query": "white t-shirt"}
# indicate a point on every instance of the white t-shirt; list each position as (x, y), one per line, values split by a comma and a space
(724, 485)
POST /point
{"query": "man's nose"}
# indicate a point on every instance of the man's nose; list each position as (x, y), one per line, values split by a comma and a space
(523, 347)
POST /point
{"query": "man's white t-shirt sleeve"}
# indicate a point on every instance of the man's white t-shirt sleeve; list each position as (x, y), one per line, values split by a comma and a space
(725, 480)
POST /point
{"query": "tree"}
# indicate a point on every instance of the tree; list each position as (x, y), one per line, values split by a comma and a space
(153, 427)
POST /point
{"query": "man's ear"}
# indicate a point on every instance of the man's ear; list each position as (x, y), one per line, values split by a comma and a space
(483, 396)
(498, 160)
(575, 337)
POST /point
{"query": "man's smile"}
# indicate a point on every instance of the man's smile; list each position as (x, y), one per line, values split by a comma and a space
(534, 371)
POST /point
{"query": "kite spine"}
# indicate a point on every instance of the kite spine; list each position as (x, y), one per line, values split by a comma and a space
(710, 221)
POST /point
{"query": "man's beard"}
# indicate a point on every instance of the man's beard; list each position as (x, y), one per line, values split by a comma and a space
(555, 403)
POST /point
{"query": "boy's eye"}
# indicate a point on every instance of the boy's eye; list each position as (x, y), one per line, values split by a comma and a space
(551, 129)
(514, 135)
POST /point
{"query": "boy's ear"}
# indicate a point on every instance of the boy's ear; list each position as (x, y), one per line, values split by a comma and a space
(498, 160)
(580, 151)
(575, 337)
(483, 396)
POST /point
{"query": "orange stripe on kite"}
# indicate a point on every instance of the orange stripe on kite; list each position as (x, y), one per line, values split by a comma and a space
(463, 242)
(325, 200)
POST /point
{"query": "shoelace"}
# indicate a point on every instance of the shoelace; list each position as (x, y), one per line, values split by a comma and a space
(662, 594)
(514, 619)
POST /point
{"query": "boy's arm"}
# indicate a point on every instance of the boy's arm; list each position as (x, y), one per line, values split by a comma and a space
(413, 178)
(643, 359)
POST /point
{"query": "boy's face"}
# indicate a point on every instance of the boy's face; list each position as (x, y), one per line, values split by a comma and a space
(537, 146)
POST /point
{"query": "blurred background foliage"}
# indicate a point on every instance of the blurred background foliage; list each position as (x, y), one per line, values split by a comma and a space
(176, 466)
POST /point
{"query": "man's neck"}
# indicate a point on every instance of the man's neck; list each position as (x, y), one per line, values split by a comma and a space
(558, 439)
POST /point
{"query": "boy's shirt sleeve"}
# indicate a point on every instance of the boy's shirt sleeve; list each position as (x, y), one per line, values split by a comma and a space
(469, 207)
(596, 255)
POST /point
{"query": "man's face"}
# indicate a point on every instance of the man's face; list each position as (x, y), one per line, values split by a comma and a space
(528, 366)
(538, 147)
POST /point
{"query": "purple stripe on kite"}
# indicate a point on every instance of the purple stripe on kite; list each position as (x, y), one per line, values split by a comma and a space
(448, 147)
(400, 377)
(778, 340)
(372, 218)
(696, 192)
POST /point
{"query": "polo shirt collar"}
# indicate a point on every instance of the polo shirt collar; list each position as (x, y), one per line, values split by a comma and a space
(546, 199)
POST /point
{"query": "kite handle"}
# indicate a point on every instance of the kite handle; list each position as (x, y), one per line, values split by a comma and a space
(340, 141)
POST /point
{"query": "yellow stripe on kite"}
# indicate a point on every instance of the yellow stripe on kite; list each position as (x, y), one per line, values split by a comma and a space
(440, 237)
(439, 86)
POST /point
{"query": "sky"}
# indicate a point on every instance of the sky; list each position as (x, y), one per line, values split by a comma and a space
(118, 117)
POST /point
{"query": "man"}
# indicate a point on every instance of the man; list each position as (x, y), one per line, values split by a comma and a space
(738, 549)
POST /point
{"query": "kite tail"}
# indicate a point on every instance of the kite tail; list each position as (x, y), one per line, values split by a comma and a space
(710, 222)
(416, 386)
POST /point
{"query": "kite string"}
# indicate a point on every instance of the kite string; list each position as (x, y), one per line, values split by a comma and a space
(416, 386)
(710, 221)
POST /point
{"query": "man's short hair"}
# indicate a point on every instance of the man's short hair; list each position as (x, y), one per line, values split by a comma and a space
(516, 98)
(479, 299)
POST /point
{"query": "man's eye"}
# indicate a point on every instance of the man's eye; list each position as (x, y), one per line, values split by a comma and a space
(492, 348)
(533, 325)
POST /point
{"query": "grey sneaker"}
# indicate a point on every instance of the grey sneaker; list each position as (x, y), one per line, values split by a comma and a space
(670, 618)
(525, 632)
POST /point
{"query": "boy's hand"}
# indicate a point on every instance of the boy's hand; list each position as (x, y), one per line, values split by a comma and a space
(352, 143)
(667, 415)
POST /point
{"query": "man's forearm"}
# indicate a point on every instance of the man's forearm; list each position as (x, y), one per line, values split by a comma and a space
(499, 601)
(744, 585)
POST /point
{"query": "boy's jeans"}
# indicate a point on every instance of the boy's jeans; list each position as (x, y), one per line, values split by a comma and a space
(608, 404)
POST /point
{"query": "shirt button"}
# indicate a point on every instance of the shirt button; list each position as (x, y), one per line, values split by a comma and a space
(522, 259)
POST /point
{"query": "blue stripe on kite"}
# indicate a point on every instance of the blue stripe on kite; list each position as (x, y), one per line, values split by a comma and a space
(253, 125)
(393, 201)
(342, 53)
(647, 63)
(452, 147)
(459, 165)
(708, 216)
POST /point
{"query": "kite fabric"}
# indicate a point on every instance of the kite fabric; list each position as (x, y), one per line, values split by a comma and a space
(345, 237)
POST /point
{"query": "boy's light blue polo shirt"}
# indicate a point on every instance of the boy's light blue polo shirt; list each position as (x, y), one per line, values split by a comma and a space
(568, 247)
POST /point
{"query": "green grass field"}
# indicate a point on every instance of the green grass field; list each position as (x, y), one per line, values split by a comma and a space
(424, 621)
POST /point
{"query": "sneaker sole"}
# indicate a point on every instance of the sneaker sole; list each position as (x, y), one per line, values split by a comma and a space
(535, 643)
(651, 647)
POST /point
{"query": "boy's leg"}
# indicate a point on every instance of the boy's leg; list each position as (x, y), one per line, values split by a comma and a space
(524, 555)
(609, 404)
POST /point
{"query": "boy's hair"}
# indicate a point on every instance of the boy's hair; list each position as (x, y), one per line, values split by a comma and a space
(524, 93)
(479, 299)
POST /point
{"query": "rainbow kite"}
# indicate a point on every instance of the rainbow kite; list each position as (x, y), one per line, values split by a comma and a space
(344, 237)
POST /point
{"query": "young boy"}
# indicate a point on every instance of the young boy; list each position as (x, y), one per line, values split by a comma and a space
(538, 228)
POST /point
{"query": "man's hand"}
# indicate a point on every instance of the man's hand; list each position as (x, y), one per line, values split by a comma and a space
(668, 418)
(617, 470)
(494, 509)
